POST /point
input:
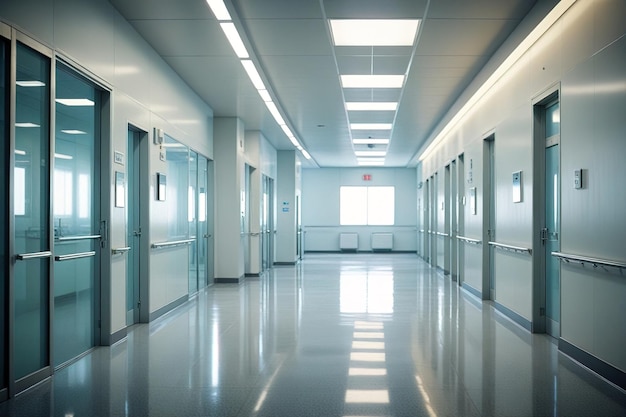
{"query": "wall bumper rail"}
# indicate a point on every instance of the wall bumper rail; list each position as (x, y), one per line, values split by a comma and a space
(511, 248)
(469, 240)
(587, 260)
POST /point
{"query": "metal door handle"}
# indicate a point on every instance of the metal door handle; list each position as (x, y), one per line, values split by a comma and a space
(116, 251)
(33, 255)
(71, 256)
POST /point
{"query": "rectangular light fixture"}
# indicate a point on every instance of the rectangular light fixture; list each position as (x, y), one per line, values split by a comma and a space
(73, 132)
(26, 124)
(370, 141)
(256, 79)
(265, 95)
(372, 81)
(371, 163)
(235, 40)
(305, 153)
(274, 110)
(287, 131)
(75, 102)
(371, 106)
(373, 32)
(370, 126)
(370, 153)
(294, 141)
(219, 9)
(30, 83)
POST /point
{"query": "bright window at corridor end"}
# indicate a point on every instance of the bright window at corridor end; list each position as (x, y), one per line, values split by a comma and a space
(372, 206)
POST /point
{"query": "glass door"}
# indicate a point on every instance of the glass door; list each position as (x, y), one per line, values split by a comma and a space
(76, 215)
(193, 222)
(265, 232)
(4, 213)
(30, 216)
(133, 238)
(552, 218)
(210, 223)
(203, 232)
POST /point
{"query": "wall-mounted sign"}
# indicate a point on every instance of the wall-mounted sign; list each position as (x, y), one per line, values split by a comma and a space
(118, 158)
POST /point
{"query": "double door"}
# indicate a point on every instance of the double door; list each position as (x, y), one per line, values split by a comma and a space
(51, 225)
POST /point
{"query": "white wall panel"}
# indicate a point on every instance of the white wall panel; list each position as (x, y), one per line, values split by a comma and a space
(31, 16)
(514, 282)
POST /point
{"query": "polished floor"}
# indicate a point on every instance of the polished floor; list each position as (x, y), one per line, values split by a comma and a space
(336, 335)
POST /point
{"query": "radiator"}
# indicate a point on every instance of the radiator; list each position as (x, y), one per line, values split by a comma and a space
(348, 241)
(382, 241)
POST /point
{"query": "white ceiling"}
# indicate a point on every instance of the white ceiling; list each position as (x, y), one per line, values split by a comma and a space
(291, 42)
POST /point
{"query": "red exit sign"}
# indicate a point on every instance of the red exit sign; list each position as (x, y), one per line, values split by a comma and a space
(367, 177)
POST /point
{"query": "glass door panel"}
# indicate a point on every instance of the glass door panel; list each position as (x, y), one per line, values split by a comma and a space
(4, 214)
(193, 222)
(133, 239)
(76, 219)
(31, 214)
(552, 216)
(203, 233)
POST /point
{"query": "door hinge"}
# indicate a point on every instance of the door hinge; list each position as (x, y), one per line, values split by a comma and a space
(104, 233)
(544, 235)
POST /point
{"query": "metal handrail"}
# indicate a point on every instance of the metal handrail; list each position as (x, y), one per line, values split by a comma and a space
(511, 248)
(160, 245)
(116, 251)
(442, 234)
(567, 258)
(33, 255)
(71, 238)
(60, 258)
(469, 240)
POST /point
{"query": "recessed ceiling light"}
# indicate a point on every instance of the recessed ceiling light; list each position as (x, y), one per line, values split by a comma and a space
(371, 163)
(75, 102)
(373, 32)
(30, 83)
(371, 106)
(370, 126)
(253, 74)
(271, 106)
(74, 132)
(370, 153)
(372, 81)
(265, 95)
(235, 40)
(26, 124)
(370, 141)
(219, 9)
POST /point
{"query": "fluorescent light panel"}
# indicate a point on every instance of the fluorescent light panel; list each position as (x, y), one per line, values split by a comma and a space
(371, 163)
(305, 153)
(373, 32)
(372, 81)
(219, 9)
(370, 153)
(235, 40)
(371, 106)
(370, 126)
(254, 75)
(370, 141)
(274, 110)
(265, 95)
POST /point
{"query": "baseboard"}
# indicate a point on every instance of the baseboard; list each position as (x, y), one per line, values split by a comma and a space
(117, 336)
(285, 263)
(515, 317)
(165, 309)
(605, 370)
(229, 280)
(472, 290)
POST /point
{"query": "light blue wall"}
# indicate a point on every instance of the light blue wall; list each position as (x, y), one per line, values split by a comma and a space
(320, 206)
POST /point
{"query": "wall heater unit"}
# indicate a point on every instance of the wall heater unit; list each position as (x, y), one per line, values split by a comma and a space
(349, 241)
(382, 241)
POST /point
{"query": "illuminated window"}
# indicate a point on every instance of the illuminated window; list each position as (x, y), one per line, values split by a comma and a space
(63, 181)
(373, 206)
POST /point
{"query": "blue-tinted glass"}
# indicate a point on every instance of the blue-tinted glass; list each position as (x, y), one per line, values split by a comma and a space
(4, 218)
(553, 120)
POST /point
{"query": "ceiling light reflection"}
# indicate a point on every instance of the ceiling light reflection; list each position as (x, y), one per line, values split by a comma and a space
(367, 371)
(368, 356)
(359, 344)
(369, 335)
(367, 396)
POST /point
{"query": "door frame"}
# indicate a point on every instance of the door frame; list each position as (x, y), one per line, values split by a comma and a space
(539, 102)
(489, 217)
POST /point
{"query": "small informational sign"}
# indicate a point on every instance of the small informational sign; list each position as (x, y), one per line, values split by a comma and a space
(517, 187)
(367, 177)
(118, 158)
(285, 209)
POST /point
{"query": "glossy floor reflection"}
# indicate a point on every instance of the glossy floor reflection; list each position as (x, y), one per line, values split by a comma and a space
(337, 335)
